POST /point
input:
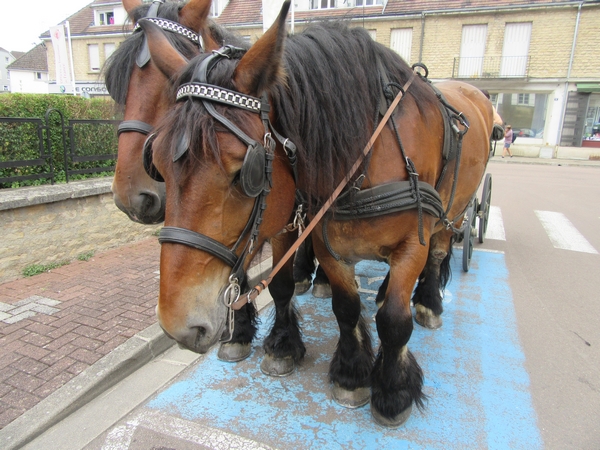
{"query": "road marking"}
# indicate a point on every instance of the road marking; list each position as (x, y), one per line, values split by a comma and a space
(120, 438)
(495, 228)
(474, 377)
(563, 233)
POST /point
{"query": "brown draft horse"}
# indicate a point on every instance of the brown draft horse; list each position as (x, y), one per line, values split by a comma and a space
(232, 178)
(135, 82)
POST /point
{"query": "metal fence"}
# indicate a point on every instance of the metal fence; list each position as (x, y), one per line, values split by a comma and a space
(38, 149)
(491, 67)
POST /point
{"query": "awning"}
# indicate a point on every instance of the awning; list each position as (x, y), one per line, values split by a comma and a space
(588, 87)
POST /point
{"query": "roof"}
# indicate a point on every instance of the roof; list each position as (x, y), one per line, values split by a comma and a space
(34, 60)
(245, 12)
(17, 55)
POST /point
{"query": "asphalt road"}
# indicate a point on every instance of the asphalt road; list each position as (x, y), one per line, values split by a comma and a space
(516, 364)
(556, 293)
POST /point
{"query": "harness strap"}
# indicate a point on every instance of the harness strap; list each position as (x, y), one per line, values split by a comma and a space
(134, 125)
(178, 235)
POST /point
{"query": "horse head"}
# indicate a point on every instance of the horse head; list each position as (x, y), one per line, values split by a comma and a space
(215, 152)
(135, 82)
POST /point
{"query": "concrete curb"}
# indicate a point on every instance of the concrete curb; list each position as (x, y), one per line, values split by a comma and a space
(101, 376)
(104, 374)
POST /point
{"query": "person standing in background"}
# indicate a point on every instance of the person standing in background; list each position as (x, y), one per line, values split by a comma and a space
(508, 139)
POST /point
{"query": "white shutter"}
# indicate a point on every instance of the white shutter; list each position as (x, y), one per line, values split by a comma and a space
(516, 49)
(472, 50)
(401, 42)
(94, 57)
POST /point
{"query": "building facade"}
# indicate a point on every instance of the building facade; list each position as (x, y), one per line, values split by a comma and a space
(536, 58)
(6, 58)
(29, 73)
(95, 31)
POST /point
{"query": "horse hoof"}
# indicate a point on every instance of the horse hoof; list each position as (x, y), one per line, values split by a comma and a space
(351, 399)
(393, 422)
(277, 367)
(302, 286)
(234, 352)
(427, 319)
(321, 290)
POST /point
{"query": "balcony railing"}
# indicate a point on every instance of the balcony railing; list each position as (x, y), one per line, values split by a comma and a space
(491, 67)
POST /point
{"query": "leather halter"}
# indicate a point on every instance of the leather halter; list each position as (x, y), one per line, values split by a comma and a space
(144, 56)
(258, 172)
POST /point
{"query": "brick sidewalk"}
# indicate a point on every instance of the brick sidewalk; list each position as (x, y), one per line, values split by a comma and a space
(55, 325)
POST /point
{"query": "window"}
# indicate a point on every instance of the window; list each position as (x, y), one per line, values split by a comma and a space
(323, 4)
(108, 50)
(368, 2)
(522, 99)
(526, 112)
(94, 57)
(373, 34)
(5, 87)
(515, 51)
(38, 75)
(217, 7)
(106, 18)
(401, 42)
(472, 50)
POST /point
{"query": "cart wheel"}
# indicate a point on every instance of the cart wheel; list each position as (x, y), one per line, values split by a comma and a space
(469, 233)
(484, 208)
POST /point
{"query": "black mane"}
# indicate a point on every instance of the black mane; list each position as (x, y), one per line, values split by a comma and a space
(328, 105)
(117, 68)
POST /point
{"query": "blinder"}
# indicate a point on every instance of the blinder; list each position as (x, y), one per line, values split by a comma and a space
(149, 166)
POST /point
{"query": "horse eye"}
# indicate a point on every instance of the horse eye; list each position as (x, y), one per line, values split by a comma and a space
(236, 178)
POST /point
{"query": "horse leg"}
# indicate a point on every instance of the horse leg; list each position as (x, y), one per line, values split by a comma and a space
(432, 281)
(304, 267)
(283, 346)
(397, 378)
(321, 286)
(352, 362)
(240, 346)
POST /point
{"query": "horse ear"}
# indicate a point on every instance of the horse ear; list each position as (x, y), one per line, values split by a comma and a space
(194, 15)
(130, 5)
(164, 55)
(261, 66)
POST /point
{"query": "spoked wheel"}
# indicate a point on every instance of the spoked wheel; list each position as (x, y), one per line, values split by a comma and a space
(469, 233)
(484, 207)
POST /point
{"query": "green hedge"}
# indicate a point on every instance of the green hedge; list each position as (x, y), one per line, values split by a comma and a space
(19, 141)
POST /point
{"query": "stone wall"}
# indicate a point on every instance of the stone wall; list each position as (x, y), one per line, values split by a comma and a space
(47, 224)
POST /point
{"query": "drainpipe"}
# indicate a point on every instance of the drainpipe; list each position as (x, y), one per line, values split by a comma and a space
(565, 97)
(422, 36)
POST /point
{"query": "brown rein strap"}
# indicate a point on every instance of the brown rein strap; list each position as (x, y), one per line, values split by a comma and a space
(255, 292)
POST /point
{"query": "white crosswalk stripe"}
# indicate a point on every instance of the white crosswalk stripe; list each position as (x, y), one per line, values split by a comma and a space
(563, 233)
(495, 228)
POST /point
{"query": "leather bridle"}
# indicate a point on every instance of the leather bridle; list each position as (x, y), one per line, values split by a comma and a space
(255, 175)
(143, 57)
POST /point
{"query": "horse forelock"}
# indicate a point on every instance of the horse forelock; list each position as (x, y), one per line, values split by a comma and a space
(119, 66)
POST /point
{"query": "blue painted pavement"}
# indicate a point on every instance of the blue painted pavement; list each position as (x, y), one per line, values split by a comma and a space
(474, 376)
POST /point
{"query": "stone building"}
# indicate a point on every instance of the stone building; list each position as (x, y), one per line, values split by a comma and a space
(536, 58)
